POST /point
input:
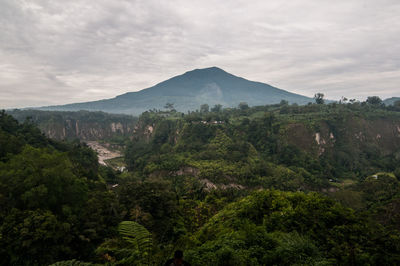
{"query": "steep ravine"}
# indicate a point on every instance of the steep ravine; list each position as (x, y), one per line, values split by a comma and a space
(103, 153)
(83, 125)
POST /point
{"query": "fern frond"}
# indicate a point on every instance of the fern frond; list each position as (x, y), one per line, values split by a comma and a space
(137, 235)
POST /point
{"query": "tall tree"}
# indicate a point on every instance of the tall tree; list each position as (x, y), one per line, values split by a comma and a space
(243, 106)
(374, 100)
(204, 108)
(319, 98)
(169, 107)
(217, 108)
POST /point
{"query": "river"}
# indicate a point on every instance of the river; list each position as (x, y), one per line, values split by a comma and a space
(103, 153)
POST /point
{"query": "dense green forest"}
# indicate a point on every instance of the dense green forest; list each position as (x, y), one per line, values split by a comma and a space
(269, 185)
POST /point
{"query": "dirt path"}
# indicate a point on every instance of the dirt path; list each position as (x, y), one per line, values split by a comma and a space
(103, 153)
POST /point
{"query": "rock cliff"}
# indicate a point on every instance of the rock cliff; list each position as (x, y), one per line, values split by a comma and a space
(82, 125)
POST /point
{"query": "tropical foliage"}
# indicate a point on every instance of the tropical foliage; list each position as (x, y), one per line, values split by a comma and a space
(268, 185)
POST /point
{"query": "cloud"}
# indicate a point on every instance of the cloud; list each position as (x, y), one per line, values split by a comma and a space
(57, 52)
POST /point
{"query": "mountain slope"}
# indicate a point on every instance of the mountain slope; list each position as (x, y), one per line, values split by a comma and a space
(391, 101)
(190, 90)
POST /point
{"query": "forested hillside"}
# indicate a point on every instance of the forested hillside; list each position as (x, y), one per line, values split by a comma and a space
(54, 203)
(314, 143)
(269, 185)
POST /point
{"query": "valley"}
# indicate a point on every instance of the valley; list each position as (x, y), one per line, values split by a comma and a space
(226, 184)
(204, 133)
(103, 152)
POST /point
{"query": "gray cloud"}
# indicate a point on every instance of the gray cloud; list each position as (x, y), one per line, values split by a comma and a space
(56, 52)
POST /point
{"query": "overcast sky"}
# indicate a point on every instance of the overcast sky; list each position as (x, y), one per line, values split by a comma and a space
(57, 52)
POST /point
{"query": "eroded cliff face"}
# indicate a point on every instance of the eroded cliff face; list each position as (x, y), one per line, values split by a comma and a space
(358, 133)
(318, 138)
(85, 130)
(82, 125)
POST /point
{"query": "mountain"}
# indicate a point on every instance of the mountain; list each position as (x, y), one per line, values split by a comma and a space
(391, 101)
(188, 91)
